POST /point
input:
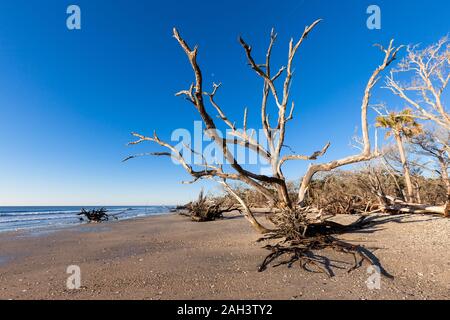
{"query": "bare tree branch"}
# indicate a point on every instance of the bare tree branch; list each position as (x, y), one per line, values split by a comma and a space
(367, 154)
(430, 72)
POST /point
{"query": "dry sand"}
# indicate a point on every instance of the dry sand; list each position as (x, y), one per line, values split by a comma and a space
(169, 257)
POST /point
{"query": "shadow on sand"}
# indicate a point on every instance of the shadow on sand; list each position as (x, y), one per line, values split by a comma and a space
(363, 225)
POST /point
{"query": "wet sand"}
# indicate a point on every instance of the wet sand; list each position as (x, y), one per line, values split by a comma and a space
(169, 257)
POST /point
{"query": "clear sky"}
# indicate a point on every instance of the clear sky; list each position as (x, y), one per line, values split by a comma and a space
(69, 99)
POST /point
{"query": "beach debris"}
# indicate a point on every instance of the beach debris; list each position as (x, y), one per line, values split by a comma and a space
(207, 209)
(179, 208)
(95, 215)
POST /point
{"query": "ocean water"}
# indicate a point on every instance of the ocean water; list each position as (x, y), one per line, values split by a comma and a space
(31, 218)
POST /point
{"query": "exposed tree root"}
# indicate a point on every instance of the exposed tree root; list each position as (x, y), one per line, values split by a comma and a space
(303, 252)
(300, 241)
(95, 215)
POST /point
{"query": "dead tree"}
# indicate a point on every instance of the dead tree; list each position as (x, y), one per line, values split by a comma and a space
(264, 184)
(207, 209)
(429, 144)
(392, 204)
(300, 233)
(429, 70)
(94, 215)
(429, 73)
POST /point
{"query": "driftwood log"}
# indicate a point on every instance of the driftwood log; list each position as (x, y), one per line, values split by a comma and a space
(207, 209)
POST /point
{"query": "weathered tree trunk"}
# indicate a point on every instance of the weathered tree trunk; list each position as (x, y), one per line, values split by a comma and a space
(406, 172)
(248, 214)
(447, 205)
(399, 206)
(445, 179)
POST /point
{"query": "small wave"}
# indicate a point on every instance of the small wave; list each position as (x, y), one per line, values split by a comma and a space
(10, 213)
(35, 213)
(35, 218)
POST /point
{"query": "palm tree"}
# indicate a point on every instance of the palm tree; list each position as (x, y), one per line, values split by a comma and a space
(402, 126)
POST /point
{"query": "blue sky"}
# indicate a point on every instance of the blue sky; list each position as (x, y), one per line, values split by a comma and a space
(69, 99)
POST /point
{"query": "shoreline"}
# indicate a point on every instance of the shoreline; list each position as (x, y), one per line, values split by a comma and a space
(169, 257)
(76, 222)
